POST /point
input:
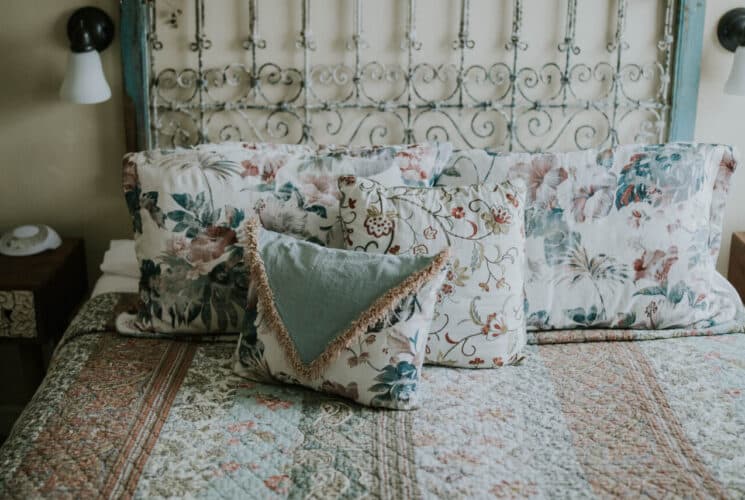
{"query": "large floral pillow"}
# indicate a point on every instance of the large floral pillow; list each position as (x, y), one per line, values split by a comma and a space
(479, 316)
(620, 238)
(342, 322)
(188, 204)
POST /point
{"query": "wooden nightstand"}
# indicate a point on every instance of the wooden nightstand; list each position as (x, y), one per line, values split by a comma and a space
(38, 296)
(736, 271)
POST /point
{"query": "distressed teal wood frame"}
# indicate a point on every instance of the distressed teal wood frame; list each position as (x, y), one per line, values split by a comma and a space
(687, 69)
(136, 74)
(136, 71)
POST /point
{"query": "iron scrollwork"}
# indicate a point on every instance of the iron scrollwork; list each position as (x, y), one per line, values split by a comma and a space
(504, 105)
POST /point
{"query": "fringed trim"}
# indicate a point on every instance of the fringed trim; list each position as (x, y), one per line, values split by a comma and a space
(374, 314)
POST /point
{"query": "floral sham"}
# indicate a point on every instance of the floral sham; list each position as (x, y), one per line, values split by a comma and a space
(621, 238)
(346, 323)
(479, 316)
(187, 206)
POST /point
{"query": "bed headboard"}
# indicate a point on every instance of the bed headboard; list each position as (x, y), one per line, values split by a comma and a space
(509, 75)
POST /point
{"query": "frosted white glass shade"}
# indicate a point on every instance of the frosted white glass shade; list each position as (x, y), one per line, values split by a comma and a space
(736, 82)
(84, 81)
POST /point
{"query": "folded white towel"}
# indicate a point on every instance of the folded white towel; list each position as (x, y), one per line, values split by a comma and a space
(115, 283)
(120, 259)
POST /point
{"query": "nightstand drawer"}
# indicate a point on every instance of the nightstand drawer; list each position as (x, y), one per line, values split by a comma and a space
(39, 294)
(17, 314)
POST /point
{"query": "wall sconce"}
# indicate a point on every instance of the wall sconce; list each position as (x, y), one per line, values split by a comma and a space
(90, 31)
(731, 33)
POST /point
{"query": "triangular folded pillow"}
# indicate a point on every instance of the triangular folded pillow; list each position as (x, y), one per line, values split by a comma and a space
(349, 323)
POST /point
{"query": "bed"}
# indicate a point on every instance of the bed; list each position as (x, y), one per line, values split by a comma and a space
(588, 413)
(118, 416)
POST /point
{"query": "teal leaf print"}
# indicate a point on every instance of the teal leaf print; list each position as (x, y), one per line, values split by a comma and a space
(319, 210)
(626, 320)
(451, 172)
(582, 317)
(657, 176)
(396, 383)
(149, 202)
(674, 294)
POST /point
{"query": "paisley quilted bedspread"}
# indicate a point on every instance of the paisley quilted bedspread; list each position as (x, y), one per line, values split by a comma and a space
(137, 417)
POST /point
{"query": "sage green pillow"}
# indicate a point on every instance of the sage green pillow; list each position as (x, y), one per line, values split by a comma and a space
(349, 323)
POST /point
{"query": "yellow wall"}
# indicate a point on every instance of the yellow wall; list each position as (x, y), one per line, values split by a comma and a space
(721, 118)
(60, 161)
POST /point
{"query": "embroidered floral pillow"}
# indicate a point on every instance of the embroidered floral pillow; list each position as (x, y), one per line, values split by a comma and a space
(622, 238)
(187, 205)
(341, 322)
(479, 318)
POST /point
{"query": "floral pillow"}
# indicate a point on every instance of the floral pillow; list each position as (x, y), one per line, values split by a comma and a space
(621, 238)
(346, 323)
(307, 197)
(188, 204)
(479, 316)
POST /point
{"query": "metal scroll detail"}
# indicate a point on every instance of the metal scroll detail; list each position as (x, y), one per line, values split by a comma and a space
(504, 105)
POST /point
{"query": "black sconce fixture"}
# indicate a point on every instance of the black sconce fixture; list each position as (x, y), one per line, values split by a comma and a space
(731, 33)
(90, 30)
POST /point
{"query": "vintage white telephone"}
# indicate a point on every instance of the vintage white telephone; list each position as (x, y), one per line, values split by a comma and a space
(29, 240)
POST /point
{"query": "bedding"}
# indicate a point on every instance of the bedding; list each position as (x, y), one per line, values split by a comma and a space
(145, 418)
(115, 283)
(120, 259)
(186, 207)
(343, 322)
(619, 238)
(479, 315)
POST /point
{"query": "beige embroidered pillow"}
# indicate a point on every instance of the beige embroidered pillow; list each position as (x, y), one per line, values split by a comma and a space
(479, 316)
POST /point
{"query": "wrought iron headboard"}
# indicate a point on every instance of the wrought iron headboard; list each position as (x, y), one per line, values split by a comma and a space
(501, 104)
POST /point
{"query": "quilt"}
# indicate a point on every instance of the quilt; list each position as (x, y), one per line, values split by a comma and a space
(146, 418)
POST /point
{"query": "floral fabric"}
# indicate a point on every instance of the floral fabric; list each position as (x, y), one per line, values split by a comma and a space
(479, 315)
(187, 205)
(376, 365)
(622, 238)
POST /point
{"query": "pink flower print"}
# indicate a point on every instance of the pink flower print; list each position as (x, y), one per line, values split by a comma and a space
(419, 250)
(319, 190)
(430, 233)
(543, 178)
(241, 426)
(476, 361)
(230, 466)
(458, 212)
(655, 265)
(411, 164)
(377, 224)
(278, 483)
(250, 169)
(211, 243)
(494, 325)
(497, 219)
(272, 402)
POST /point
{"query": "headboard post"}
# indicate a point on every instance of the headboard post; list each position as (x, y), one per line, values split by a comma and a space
(135, 71)
(687, 69)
